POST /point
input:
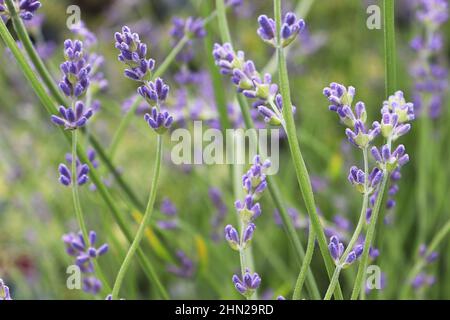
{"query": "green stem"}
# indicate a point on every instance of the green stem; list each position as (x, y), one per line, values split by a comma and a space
(299, 164)
(359, 226)
(369, 237)
(75, 194)
(144, 223)
(389, 46)
(24, 38)
(334, 281)
(78, 209)
(103, 191)
(305, 265)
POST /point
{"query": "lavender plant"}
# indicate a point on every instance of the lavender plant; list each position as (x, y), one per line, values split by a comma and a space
(132, 52)
(254, 183)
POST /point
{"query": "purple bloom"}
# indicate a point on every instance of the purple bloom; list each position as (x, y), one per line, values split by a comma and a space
(133, 53)
(336, 249)
(248, 284)
(92, 285)
(168, 209)
(396, 104)
(158, 121)
(156, 91)
(232, 236)
(340, 96)
(357, 178)
(84, 252)
(191, 28)
(4, 291)
(73, 118)
(186, 268)
(431, 257)
(221, 210)
(422, 280)
(65, 177)
(26, 8)
(360, 136)
(430, 75)
(290, 28)
(388, 160)
(76, 71)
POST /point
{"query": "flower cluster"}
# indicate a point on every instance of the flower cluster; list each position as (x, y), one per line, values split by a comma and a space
(429, 71)
(250, 83)
(254, 183)
(221, 210)
(290, 28)
(248, 284)
(85, 252)
(73, 118)
(395, 115)
(133, 53)
(4, 291)
(422, 279)
(66, 178)
(168, 209)
(75, 70)
(337, 250)
(97, 79)
(25, 8)
(186, 268)
(190, 28)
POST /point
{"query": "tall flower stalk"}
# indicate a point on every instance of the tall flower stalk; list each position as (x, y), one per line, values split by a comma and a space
(133, 53)
(299, 163)
(226, 53)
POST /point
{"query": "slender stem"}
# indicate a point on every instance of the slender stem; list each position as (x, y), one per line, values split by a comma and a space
(24, 38)
(305, 265)
(144, 223)
(77, 205)
(333, 283)
(368, 241)
(299, 164)
(389, 46)
(103, 191)
(359, 226)
(75, 195)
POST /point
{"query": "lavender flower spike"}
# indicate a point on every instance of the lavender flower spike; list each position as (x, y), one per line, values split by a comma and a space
(26, 8)
(156, 91)
(133, 53)
(65, 177)
(75, 70)
(158, 121)
(72, 118)
(290, 28)
(4, 291)
(191, 28)
(248, 284)
(396, 104)
(388, 160)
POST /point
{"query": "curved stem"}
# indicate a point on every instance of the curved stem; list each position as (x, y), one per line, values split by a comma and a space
(359, 226)
(145, 221)
(299, 163)
(305, 265)
(369, 237)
